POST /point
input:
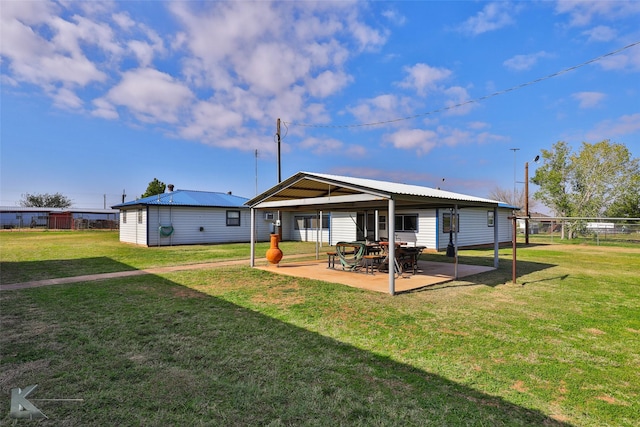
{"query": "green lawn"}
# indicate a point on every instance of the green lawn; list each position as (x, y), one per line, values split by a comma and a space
(42, 255)
(237, 346)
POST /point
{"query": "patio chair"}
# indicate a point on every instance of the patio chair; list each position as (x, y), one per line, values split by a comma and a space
(350, 254)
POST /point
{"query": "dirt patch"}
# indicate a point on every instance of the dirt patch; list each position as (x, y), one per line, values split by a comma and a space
(187, 293)
(519, 386)
(595, 331)
(280, 296)
(608, 399)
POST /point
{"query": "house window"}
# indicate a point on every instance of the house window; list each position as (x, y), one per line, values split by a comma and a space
(382, 222)
(310, 222)
(124, 217)
(490, 221)
(139, 216)
(233, 218)
(407, 222)
(446, 222)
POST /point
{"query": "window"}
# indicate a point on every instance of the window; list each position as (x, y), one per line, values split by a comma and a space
(124, 217)
(446, 222)
(309, 222)
(407, 222)
(382, 222)
(139, 216)
(490, 219)
(233, 218)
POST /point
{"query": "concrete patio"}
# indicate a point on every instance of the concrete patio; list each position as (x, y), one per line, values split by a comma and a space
(429, 273)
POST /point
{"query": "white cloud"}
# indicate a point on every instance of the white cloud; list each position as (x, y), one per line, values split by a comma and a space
(628, 60)
(422, 77)
(458, 101)
(34, 59)
(582, 13)
(524, 62)
(237, 62)
(380, 108)
(394, 16)
(601, 33)
(327, 83)
(66, 99)
(152, 96)
(492, 17)
(104, 109)
(588, 99)
(283, 65)
(609, 129)
(321, 145)
(422, 141)
(211, 121)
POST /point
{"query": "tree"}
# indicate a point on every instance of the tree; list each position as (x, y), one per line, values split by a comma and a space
(627, 205)
(507, 196)
(45, 200)
(587, 183)
(154, 187)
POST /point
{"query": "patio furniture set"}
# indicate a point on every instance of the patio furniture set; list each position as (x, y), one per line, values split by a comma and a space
(354, 256)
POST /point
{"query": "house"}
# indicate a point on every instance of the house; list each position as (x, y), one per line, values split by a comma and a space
(361, 209)
(184, 217)
(424, 220)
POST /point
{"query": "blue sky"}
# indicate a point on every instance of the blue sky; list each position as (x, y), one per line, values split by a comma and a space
(101, 97)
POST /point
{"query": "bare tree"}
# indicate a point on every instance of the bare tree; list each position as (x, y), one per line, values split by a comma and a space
(507, 196)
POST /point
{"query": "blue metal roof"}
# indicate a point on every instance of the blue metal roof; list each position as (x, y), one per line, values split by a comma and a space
(189, 198)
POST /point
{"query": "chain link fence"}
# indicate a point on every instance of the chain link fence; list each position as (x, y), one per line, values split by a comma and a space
(57, 221)
(623, 230)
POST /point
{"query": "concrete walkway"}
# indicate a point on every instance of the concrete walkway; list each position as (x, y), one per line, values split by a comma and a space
(118, 274)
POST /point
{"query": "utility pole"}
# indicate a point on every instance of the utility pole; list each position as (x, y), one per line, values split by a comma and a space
(279, 220)
(256, 171)
(526, 203)
(278, 135)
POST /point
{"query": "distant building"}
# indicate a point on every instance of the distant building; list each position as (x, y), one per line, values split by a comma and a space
(17, 217)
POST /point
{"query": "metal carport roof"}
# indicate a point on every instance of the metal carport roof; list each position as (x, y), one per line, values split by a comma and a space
(308, 190)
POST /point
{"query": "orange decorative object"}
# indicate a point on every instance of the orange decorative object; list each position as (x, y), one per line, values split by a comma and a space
(274, 254)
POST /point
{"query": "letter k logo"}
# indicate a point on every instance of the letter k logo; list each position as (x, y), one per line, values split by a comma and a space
(21, 407)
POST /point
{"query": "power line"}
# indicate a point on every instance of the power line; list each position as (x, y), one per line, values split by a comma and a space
(482, 98)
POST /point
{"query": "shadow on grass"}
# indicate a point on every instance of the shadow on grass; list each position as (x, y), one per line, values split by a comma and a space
(27, 271)
(147, 351)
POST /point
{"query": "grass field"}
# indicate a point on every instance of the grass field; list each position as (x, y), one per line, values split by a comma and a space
(238, 346)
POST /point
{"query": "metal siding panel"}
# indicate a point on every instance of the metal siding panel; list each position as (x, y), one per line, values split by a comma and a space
(343, 227)
(474, 229)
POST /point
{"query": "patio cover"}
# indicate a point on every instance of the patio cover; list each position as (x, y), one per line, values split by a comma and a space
(307, 190)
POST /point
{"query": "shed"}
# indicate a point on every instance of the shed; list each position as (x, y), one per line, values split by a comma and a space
(184, 217)
(401, 212)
